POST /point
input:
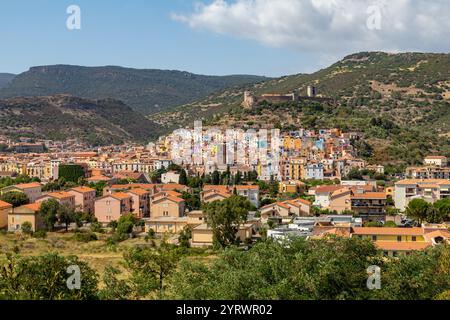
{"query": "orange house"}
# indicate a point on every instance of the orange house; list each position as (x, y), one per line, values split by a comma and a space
(5, 207)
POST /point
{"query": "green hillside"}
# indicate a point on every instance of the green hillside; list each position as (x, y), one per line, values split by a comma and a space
(146, 91)
(97, 122)
(400, 102)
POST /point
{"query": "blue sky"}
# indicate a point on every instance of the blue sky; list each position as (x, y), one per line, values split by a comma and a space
(218, 37)
(135, 33)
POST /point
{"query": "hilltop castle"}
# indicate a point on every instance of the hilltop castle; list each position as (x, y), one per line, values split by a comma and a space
(250, 100)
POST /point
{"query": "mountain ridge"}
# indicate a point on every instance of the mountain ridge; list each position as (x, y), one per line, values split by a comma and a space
(59, 117)
(145, 90)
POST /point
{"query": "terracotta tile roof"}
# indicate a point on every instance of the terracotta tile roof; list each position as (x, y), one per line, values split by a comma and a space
(28, 185)
(220, 188)
(388, 231)
(296, 202)
(213, 193)
(5, 205)
(82, 189)
(327, 189)
(138, 191)
(370, 195)
(33, 206)
(422, 181)
(134, 185)
(172, 186)
(436, 157)
(59, 195)
(247, 187)
(438, 233)
(402, 246)
(171, 198)
(98, 178)
(120, 195)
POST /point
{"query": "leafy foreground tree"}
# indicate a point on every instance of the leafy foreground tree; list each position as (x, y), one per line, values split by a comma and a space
(327, 269)
(225, 217)
(15, 198)
(148, 269)
(45, 278)
(49, 210)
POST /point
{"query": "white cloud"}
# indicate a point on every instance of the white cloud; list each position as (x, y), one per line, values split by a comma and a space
(328, 27)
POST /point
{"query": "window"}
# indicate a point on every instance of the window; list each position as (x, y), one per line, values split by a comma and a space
(399, 238)
(414, 238)
(374, 238)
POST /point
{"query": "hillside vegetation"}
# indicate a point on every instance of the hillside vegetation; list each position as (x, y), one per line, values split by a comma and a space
(59, 117)
(5, 78)
(399, 102)
(146, 91)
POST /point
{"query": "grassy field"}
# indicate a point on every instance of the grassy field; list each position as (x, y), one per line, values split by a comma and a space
(98, 254)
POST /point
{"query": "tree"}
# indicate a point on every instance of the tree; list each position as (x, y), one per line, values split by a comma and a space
(45, 278)
(390, 224)
(66, 215)
(15, 198)
(148, 268)
(183, 177)
(216, 178)
(331, 268)
(442, 208)
(418, 209)
(238, 178)
(49, 210)
(26, 228)
(71, 172)
(225, 218)
(185, 237)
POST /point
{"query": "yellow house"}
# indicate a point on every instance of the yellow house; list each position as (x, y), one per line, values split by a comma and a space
(5, 207)
(26, 213)
(202, 235)
(394, 241)
(166, 224)
(291, 186)
(167, 206)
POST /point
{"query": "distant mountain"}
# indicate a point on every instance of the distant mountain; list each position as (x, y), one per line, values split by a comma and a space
(147, 91)
(5, 78)
(97, 122)
(400, 102)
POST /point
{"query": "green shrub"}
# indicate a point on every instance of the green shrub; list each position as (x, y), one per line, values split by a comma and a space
(40, 234)
(85, 237)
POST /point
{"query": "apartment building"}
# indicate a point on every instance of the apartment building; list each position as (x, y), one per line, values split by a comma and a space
(26, 213)
(429, 190)
(369, 205)
(140, 202)
(396, 241)
(84, 199)
(62, 197)
(32, 190)
(428, 172)
(111, 207)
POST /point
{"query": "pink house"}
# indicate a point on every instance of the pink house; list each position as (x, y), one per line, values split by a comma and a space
(141, 202)
(62, 197)
(84, 199)
(112, 207)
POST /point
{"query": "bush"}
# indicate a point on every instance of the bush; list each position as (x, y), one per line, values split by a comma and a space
(40, 234)
(96, 227)
(27, 228)
(85, 237)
